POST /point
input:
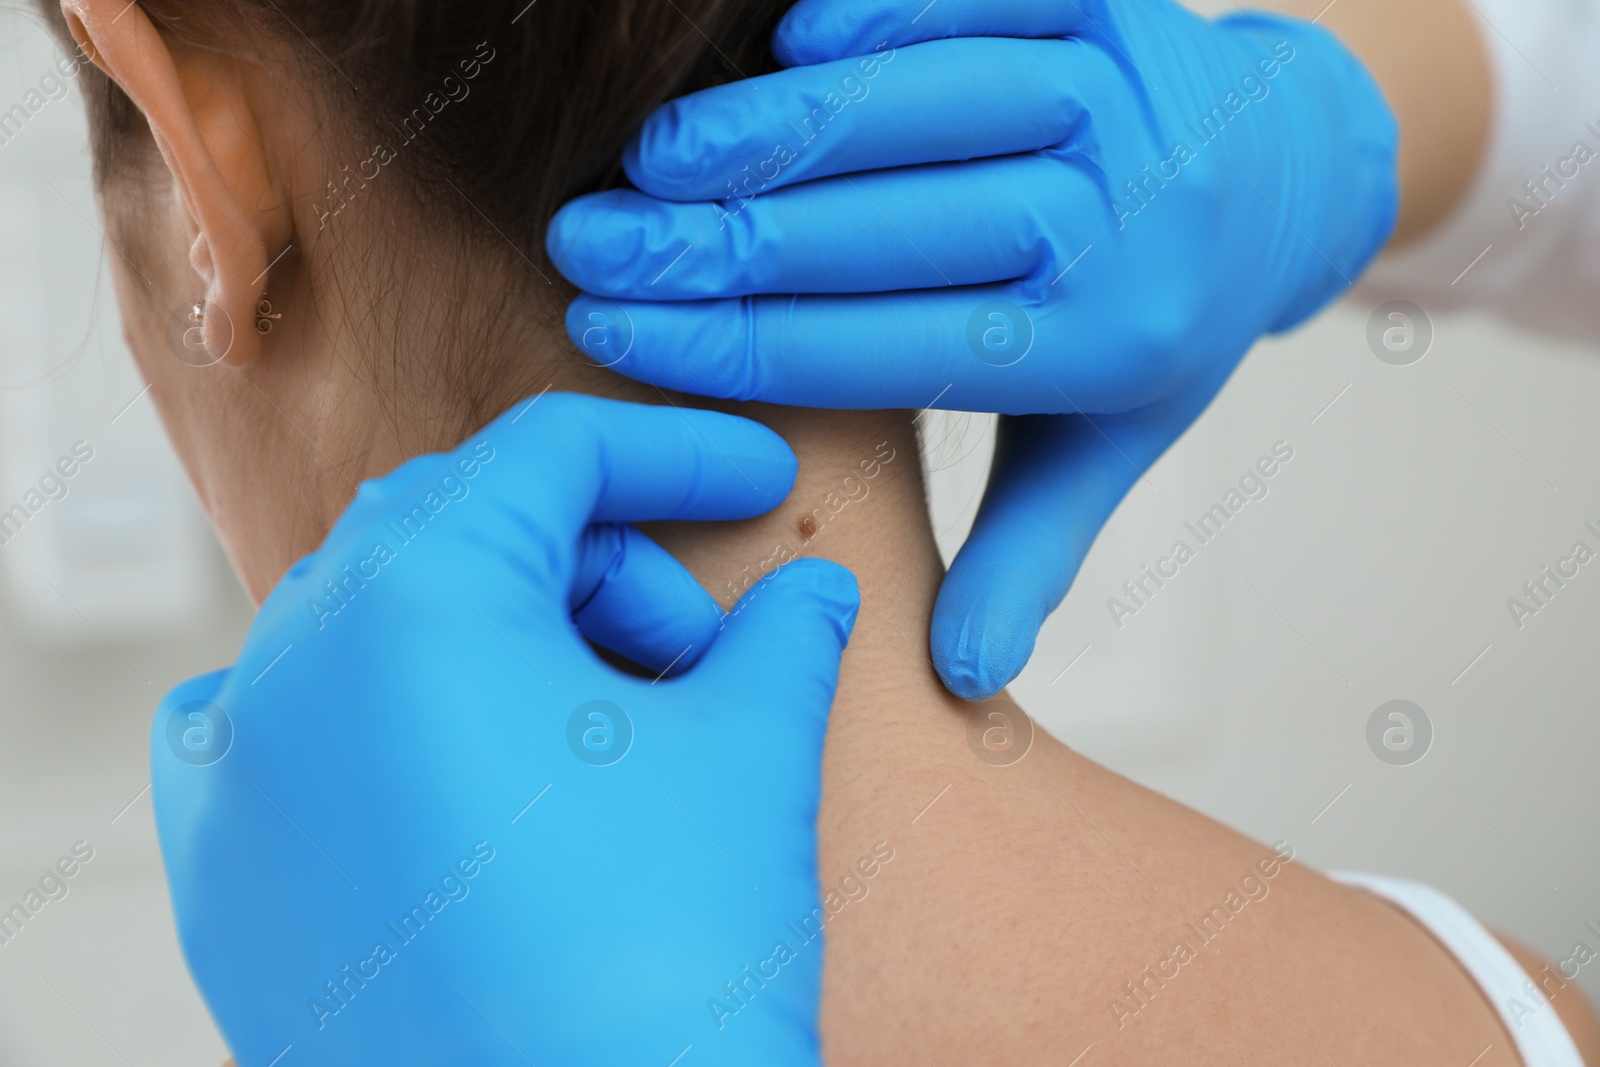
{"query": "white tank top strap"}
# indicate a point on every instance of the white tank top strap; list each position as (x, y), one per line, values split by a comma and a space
(1540, 1036)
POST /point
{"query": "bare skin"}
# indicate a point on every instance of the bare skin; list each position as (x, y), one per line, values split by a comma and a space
(1021, 900)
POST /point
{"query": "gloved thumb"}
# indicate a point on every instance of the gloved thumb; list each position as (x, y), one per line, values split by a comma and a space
(782, 642)
(1056, 480)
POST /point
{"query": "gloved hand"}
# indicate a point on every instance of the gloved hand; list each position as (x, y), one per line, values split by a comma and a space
(1079, 213)
(435, 828)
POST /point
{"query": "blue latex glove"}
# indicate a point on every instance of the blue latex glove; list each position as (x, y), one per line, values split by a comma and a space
(435, 828)
(1080, 213)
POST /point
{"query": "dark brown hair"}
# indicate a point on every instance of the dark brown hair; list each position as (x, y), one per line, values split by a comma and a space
(546, 119)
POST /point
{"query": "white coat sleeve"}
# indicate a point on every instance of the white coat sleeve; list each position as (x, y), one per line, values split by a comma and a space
(1525, 241)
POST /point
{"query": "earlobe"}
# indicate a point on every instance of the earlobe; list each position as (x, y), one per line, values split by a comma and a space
(201, 118)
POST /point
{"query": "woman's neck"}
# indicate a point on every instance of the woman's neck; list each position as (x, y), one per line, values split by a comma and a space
(858, 500)
(975, 902)
(858, 497)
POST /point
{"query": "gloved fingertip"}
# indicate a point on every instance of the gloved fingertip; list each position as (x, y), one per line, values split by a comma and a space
(575, 318)
(702, 634)
(664, 159)
(601, 329)
(676, 646)
(970, 670)
(788, 630)
(980, 640)
(803, 39)
(642, 161)
(789, 44)
(592, 237)
(561, 236)
(632, 163)
(831, 586)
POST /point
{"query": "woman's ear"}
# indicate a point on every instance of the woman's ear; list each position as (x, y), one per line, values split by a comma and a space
(202, 116)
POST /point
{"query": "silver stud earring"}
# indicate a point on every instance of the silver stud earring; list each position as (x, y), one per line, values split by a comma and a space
(265, 317)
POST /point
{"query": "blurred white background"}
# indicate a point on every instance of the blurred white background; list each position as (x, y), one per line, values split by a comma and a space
(110, 595)
(1378, 567)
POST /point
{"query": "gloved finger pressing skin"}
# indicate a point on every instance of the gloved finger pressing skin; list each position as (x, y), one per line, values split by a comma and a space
(633, 597)
(1056, 479)
(971, 348)
(441, 650)
(1247, 171)
(588, 459)
(816, 31)
(779, 623)
(591, 460)
(915, 228)
(885, 110)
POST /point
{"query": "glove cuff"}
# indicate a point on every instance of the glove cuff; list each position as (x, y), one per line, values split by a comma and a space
(1344, 151)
